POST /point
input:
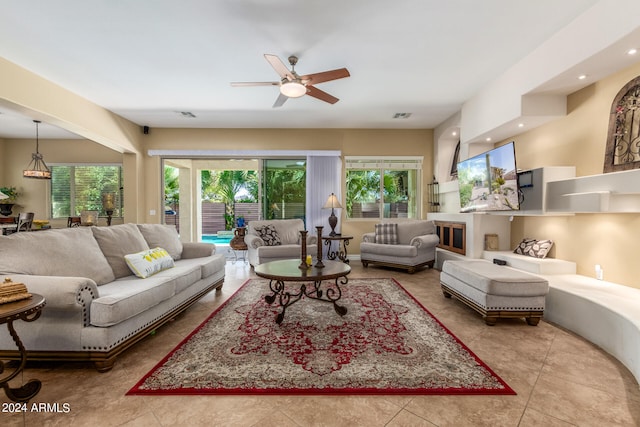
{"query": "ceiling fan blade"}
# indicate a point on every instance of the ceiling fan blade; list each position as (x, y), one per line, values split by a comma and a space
(281, 100)
(325, 76)
(243, 84)
(321, 95)
(279, 66)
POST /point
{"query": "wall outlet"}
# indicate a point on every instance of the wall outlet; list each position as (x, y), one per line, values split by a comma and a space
(152, 211)
(599, 272)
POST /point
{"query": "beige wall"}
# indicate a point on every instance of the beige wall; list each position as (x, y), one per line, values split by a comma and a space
(579, 139)
(352, 142)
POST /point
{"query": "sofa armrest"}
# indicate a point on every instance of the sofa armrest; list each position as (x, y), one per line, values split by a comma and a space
(197, 250)
(369, 237)
(71, 294)
(427, 241)
(253, 241)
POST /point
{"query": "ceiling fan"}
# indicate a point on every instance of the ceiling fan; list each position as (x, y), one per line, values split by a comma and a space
(293, 85)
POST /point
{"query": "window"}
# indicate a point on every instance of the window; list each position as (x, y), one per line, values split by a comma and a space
(75, 188)
(383, 187)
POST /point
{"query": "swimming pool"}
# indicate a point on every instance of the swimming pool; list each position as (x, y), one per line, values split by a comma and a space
(218, 240)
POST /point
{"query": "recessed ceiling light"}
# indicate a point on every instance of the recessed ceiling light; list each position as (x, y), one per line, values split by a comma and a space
(632, 51)
(520, 125)
(582, 76)
(488, 139)
(454, 133)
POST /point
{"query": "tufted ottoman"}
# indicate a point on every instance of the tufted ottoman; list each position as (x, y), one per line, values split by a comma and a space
(495, 291)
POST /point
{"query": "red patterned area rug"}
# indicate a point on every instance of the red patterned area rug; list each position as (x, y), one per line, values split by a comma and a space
(386, 343)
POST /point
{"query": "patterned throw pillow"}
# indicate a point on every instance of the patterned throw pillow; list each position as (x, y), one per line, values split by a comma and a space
(534, 248)
(269, 235)
(149, 262)
(387, 233)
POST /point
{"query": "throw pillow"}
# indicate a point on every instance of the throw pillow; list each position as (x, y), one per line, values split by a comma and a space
(149, 262)
(534, 248)
(269, 235)
(387, 233)
(117, 241)
(164, 236)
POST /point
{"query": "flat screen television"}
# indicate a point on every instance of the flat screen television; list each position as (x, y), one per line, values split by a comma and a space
(489, 181)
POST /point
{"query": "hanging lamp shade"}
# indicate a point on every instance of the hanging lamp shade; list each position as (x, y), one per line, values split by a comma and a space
(37, 168)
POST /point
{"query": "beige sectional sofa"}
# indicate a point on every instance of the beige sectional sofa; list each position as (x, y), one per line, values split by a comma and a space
(261, 249)
(95, 307)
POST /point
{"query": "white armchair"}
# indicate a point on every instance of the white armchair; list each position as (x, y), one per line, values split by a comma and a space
(407, 244)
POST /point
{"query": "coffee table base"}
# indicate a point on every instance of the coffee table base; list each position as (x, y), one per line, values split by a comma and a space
(331, 294)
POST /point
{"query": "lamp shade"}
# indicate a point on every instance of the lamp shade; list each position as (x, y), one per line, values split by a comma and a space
(332, 202)
(293, 89)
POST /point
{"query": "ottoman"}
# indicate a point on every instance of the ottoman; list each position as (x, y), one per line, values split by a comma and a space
(495, 291)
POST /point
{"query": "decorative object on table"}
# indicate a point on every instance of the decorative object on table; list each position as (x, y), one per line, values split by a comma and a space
(303, 249)
(8, 197)
(11, 291)
(315, 352)
(109, 205)
(88, 218)
(491, 242)
(41, 224)
(333, 203)
(319, 263)
(240, 221)
(37, 168)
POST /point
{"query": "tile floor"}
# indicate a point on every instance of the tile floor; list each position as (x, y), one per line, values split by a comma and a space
(560, 380)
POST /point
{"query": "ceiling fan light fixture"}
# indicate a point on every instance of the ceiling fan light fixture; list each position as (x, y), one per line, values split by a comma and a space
(293, 89)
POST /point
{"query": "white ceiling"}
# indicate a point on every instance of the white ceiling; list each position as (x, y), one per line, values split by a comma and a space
(150, 60)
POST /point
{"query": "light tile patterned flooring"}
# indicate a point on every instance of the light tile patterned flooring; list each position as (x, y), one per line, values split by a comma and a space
(560, 380)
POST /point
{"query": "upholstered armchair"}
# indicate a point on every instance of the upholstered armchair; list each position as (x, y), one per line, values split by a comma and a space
(276, 239)
(409, 245)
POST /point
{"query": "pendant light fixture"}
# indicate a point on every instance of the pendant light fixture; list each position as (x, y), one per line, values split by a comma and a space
(37, 167)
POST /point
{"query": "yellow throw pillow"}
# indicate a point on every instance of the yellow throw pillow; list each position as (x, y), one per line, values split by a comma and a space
(149, 262)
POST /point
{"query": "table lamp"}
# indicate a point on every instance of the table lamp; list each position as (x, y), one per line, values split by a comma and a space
(333, 203)
(109, 205)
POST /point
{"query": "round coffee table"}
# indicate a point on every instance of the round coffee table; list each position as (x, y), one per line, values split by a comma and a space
(27, 310)
(279, 272)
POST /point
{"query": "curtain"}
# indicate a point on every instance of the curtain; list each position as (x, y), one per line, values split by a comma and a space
(323, 178)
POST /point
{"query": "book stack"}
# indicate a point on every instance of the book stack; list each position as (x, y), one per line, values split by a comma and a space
(10, 291)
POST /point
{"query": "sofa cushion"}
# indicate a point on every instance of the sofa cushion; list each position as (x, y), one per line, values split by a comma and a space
(387, 233)
(149, 262)
(129, 296)
(164, 236)
(116, 242)
(269, 235)
(68, 252)
(534, 248)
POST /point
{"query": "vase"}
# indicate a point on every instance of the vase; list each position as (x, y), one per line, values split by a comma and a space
(6, 208)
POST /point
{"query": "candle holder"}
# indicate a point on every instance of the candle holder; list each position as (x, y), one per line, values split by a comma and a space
(319, 263)
(303, 250)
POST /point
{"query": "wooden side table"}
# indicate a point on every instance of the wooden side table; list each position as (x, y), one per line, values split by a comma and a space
(341, 252)
(238, 244)
(27, 310)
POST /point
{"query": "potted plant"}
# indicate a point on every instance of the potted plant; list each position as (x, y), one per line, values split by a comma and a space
(8, 200)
